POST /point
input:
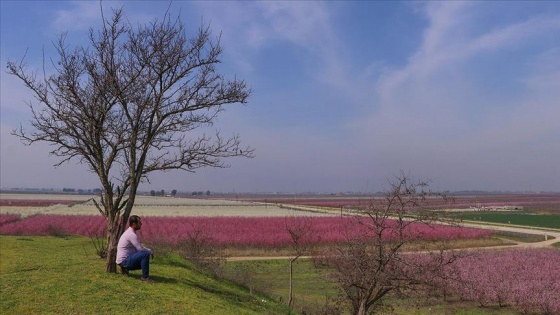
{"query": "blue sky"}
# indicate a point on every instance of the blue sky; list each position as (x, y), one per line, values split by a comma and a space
(345, 93)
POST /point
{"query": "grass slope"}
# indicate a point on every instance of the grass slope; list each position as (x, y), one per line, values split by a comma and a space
(49, 275)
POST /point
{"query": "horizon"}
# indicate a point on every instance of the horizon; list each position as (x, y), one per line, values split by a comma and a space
(91, 191)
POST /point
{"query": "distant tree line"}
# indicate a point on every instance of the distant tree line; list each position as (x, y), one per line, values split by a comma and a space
(161, 193)
(200, 193)
(82, 191)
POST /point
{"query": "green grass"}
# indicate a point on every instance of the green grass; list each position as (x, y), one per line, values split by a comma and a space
(54, 275)
(525, 219)
(520, 237)
(311, 288)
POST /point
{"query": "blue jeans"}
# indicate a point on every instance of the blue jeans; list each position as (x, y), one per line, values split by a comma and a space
(138, 260)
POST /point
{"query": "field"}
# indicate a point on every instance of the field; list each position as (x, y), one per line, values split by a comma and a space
(259, 232)
(538, 203)
(257, 225)
(523, 218)
(27, 205)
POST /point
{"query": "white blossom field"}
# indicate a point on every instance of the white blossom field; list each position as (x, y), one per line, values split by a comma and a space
(32, 204)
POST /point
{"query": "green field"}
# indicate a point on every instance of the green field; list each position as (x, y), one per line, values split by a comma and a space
(311, 289)
(310, 286)
(525, 219)
(54, 275)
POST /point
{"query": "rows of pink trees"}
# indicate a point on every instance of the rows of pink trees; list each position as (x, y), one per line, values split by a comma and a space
(230, 231)
(527, 280)
(272, 231)
(52, 225)
(7, 218)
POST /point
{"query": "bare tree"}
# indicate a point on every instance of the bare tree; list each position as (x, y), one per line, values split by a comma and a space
(130, 103)
(201, 249)
(300, 231)
(373, 263)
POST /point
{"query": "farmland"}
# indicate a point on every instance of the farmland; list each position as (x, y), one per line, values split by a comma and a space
(523, 219)
(269, 232)
(258, 226)
(538, 203)
(227, 223)
(27, 205)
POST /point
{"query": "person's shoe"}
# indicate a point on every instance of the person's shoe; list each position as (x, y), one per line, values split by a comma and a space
(148, 279)
(124, 271)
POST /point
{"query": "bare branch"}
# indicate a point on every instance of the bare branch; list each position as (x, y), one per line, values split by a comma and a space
(374, 264)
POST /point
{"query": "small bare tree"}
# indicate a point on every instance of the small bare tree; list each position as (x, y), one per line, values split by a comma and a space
(201, 249)
(300, 230)
(130, 103)
(373, 264)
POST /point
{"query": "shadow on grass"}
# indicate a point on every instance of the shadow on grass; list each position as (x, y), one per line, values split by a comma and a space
(231, 297)
(175, 263)
(157, 279)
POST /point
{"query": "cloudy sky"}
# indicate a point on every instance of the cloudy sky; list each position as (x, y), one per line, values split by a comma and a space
(345, 93)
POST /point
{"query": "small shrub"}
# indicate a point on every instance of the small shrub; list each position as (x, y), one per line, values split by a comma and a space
(100, 244)
(199, 248)
(55, 230)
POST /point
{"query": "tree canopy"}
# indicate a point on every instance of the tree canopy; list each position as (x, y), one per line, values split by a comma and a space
(132, 102)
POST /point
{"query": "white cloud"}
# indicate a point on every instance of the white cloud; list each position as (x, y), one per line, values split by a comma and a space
(303, 23)
(446, 43)
(250, 28)
(421, 124)
(80, 16)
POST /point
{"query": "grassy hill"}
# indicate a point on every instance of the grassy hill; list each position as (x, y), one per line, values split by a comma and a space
(48, 275)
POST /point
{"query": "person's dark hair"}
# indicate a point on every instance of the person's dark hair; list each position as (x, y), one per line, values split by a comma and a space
(133, 219)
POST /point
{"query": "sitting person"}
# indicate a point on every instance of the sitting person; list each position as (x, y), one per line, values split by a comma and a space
(131, 255)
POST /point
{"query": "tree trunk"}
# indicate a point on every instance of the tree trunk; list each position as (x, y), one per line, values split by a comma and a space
(113, 235)
(112, 241)
(290, 301)
(362, 310)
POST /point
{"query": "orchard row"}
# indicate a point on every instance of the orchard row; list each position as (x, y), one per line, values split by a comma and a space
(526, 280)
(233, 231)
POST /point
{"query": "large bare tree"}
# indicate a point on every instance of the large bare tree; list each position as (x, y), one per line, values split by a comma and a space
(374, 262)
(130, 102)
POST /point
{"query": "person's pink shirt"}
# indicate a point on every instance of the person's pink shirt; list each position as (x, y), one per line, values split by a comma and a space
(128, 245)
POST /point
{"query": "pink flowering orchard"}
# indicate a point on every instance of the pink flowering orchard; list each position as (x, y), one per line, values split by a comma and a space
(47, 224)
(228, 231)
(8, 218)
(527, 280)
